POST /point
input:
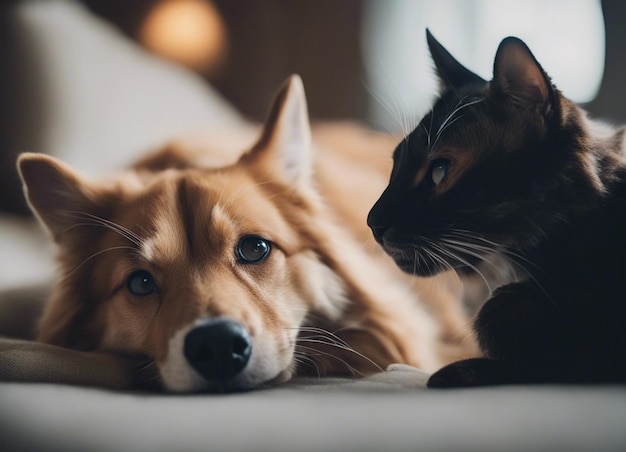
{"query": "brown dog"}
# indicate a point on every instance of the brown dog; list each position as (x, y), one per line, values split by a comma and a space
(235, 270)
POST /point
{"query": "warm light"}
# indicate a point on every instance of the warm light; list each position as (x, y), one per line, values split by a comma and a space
(188, 31)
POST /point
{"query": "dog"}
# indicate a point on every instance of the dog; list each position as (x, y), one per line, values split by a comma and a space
(238, 270)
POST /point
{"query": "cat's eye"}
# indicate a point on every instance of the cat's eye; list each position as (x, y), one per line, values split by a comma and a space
(252, 249)
(141, 283)
(439, 170)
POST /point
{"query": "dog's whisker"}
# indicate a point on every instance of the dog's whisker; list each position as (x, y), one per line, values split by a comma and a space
(94, 220)
(321, 336)
(352, 370)
(95, 255)
(305, 360)
(341, 347)
(147, 374)
(324, 333)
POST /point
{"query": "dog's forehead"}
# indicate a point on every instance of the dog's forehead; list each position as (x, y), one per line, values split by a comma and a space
(202, 214)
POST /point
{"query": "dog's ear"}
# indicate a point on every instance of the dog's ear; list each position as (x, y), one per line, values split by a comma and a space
(285, 144)
(56, 193)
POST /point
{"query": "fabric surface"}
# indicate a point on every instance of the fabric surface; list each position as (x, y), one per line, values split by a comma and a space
(366, 415)
(28, 361)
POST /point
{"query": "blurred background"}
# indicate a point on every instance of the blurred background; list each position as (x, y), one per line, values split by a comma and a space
(97, 81)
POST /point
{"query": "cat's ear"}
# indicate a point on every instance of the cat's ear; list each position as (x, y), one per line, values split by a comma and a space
(452, 74)
(285, 144)
(517, 74)
(56, 193)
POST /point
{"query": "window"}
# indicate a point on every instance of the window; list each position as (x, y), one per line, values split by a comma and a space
(566, 37)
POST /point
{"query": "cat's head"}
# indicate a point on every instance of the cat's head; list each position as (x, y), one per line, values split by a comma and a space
(492, 165)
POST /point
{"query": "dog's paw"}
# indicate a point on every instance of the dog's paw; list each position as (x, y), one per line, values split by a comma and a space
(469, 372)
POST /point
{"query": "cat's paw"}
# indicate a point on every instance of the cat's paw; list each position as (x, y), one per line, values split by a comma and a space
(470, 372)
(516, 323)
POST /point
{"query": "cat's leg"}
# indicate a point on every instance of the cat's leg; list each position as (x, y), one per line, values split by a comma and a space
(519, 332)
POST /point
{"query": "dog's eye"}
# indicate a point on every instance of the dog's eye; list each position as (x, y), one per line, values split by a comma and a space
(439, 171)
(141, 283)
(252, 249)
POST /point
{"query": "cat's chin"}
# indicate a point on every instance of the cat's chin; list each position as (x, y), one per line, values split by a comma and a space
(409, 261)
(415, 259)
(464, 270)
(409, 265)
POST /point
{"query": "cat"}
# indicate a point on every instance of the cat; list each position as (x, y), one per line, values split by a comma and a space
(512, 169)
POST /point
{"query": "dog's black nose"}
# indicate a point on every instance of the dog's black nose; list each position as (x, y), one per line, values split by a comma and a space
(218, 349)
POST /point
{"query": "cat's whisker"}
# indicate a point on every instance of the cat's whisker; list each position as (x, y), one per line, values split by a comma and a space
(383, 103)
(480, 249)
(430, 127)
(439, 134)
(427, 134)
(487, 254)
(440, 263)
(408, 120)
(398, 108)
(480, 254)
(470, 238)
(484, 254)
(450, 119)
(514, 258)
(455, 257)
(450, 115)
(499, 248)
(460, 106)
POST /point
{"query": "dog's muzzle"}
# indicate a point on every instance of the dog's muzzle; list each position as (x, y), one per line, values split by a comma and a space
(218, 348)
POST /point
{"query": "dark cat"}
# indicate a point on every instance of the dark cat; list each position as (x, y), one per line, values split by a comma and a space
(511, 168)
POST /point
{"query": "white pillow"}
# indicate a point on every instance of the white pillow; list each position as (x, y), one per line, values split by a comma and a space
(106, 99)
(102, 102)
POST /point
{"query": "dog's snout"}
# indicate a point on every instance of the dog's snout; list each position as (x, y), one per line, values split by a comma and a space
(218, 349)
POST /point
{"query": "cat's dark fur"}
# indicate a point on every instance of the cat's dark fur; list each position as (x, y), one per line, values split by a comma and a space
(513, 168)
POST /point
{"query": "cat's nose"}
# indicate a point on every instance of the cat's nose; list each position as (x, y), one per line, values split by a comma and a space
(378, 227)
(218, 349)
(378, 233)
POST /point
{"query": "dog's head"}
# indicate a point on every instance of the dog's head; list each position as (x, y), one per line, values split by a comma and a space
(209, 271)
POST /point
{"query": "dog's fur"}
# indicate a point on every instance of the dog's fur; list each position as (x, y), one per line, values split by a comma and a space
(325, 301)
